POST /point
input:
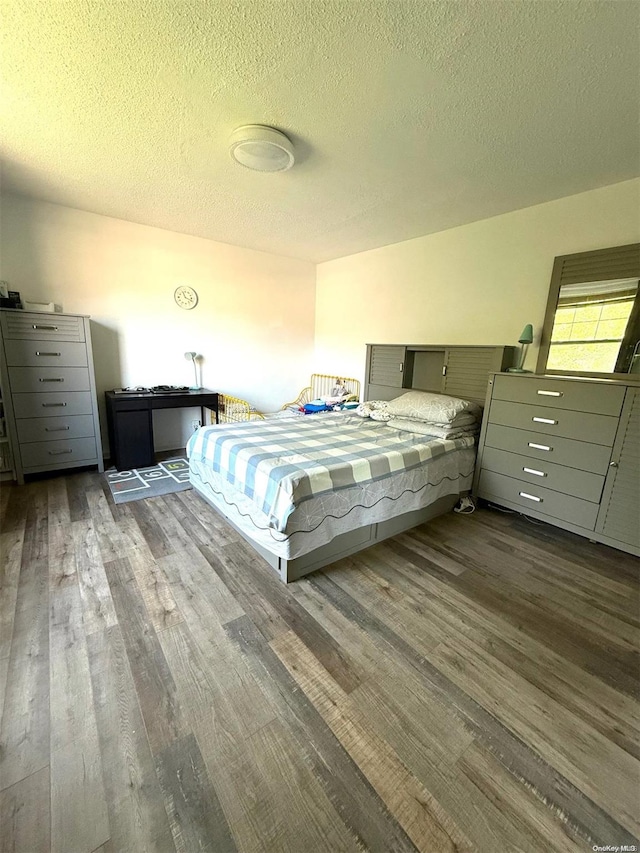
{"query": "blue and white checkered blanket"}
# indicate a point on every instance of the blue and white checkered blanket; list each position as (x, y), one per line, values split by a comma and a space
(280, 463)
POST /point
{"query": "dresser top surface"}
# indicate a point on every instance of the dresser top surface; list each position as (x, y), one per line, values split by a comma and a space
(556, 377)
(42, 313)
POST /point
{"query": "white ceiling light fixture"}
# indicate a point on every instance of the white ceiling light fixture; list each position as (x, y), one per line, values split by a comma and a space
(261, 148)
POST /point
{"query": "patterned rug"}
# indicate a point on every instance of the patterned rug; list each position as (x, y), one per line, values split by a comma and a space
(171, 475)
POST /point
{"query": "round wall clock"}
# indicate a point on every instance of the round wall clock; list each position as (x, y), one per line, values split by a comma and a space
(186, 297)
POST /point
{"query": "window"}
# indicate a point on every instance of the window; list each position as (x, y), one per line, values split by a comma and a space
(590, 325)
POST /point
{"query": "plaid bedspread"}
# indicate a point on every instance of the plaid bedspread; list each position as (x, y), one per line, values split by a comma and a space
(280, 463)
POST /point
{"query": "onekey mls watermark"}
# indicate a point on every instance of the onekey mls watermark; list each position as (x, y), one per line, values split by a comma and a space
(615, 848)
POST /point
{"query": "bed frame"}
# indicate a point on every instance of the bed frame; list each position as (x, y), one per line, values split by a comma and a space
(344, 544)
(322, 384)
(236, 410)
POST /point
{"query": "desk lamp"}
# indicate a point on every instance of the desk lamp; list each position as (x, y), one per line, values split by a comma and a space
(192, 356)
(524, 340)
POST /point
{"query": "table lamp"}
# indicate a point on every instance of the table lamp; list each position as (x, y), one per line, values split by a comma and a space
(192, 356)
(524, 340)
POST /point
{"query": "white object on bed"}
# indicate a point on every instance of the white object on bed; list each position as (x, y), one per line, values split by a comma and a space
(374, 409)
(435, 408)
(464, 419)
(436, 430)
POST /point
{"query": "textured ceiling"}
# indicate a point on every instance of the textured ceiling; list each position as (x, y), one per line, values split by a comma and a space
(407, 117)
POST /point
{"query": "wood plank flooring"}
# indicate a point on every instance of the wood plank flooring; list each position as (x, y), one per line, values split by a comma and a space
(470, 685)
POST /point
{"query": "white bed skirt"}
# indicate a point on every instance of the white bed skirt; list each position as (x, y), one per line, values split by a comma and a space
(318, 521)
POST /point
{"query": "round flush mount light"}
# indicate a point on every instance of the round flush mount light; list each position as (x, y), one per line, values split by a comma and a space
(261, 148)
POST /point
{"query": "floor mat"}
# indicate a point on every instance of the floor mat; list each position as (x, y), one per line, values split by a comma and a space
(171, 475)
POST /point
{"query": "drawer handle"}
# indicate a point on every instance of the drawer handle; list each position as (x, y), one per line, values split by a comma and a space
(47, 353)
(539, 446)
(530, 497)
(51, 405)
(50, 380)
(533, 471)
(59, 452)
(551, 393)
(62, 429)
(48, 328)
(544, 421)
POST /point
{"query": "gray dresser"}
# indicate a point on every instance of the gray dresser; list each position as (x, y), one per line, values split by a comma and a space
(6, 456)
(566, 451)
(49, 391)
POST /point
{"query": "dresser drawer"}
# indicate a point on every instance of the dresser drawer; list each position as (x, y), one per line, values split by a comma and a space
(23, 325)
(27, 353)
(529, 498)
(599, 429)
(26, 379)
(559, 478)
(57, 403)
(63, 453)
(48, 429)
(561, 451)
(560, 394)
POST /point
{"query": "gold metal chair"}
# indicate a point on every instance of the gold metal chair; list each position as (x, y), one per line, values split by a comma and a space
(235, 410)
(322, 385)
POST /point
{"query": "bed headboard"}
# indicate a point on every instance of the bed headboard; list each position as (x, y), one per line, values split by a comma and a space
(459, 371)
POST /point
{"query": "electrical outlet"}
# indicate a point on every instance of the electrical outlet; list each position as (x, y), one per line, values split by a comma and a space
(195, 425)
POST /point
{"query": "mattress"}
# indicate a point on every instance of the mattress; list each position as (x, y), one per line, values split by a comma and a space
(341, 473)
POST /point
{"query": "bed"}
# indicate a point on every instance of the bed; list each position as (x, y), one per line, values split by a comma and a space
(307, 491)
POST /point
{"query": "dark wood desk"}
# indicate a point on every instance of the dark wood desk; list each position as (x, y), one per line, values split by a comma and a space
(130, 421)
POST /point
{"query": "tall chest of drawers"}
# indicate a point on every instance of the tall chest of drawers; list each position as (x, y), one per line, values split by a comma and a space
(50, 391)
(566, 451)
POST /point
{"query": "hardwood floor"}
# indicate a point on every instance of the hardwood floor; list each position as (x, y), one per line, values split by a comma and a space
(470, 685)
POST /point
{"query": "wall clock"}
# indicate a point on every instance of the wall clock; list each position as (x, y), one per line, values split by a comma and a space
(186, 297)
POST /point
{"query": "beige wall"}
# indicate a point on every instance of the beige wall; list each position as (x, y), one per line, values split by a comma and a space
(253, 325)
(477, 284)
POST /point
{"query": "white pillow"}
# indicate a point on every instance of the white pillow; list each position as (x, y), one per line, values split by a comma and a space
(435, 408)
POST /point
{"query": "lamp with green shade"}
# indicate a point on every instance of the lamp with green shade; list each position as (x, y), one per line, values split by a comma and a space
(524, 340)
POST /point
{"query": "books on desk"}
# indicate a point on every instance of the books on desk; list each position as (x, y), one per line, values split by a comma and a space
(156, 389)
